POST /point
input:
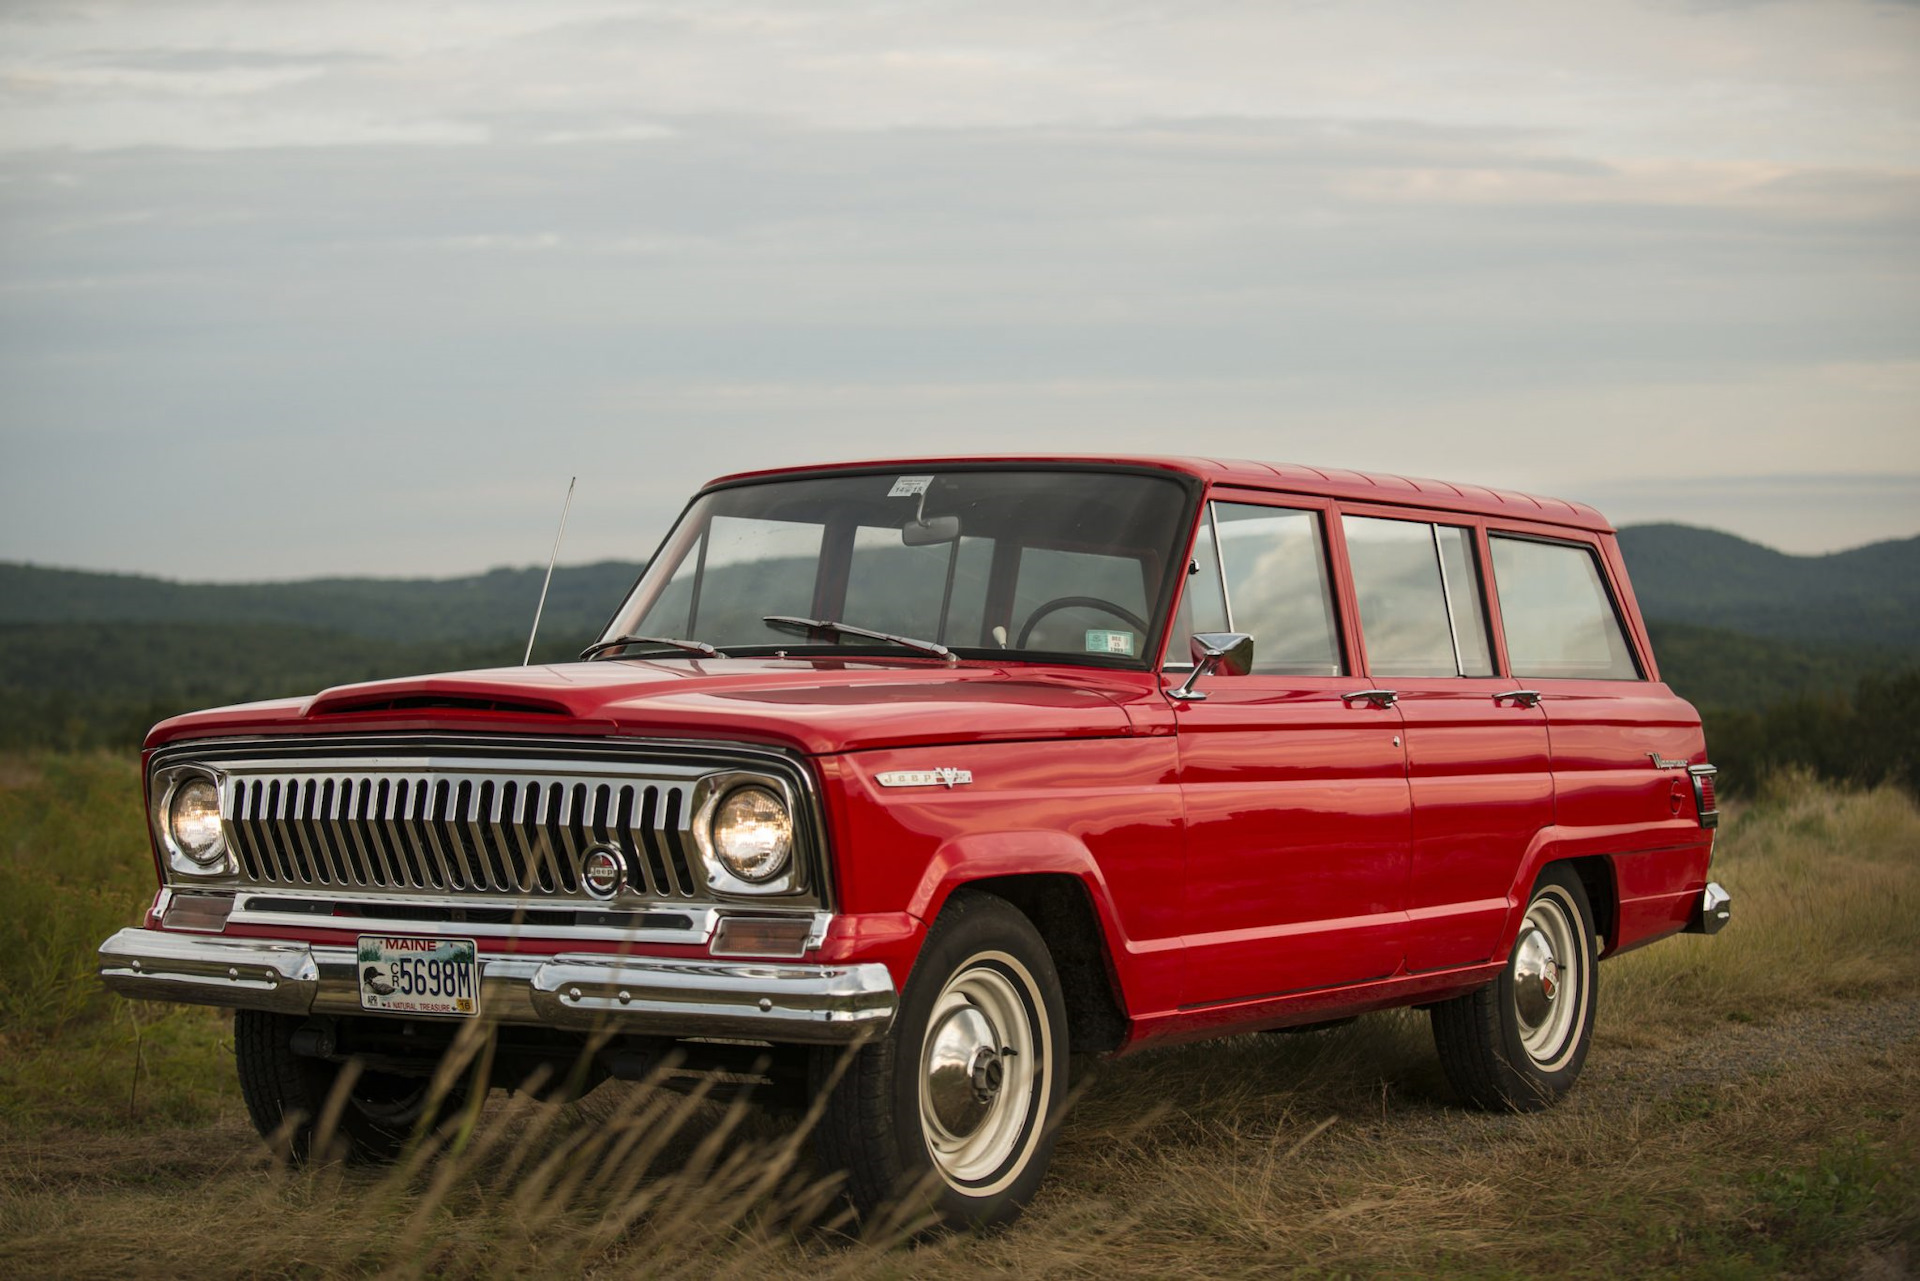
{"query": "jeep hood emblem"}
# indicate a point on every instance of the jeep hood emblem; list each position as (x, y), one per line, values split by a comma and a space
(942, 777)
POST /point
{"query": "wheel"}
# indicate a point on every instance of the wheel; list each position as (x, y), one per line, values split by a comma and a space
(1059, 603)
(378, 1116)
(1519, 1042)
(956, 1103)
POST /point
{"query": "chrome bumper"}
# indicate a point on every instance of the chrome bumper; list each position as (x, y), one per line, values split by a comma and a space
(1713, 910)
(653, 996)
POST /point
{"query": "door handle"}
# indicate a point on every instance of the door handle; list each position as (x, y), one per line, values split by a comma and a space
(1378, 697)
(1521, 697)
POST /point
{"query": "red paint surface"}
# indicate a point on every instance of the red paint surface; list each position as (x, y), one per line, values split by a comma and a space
(1272, 855)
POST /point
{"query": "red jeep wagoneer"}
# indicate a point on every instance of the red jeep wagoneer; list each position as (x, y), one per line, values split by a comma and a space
(971, 764)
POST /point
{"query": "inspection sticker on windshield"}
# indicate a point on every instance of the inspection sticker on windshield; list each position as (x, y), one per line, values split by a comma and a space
(908, 486)
(1102, 642)
(400, 975)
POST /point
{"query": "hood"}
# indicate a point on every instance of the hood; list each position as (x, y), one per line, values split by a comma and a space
(817, 706)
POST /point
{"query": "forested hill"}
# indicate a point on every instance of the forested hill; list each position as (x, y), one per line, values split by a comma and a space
(1735, 625)
(497, 605)
(1868, 596)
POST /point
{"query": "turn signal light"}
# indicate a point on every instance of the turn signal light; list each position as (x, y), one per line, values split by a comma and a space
(206, 913)
(762, 936)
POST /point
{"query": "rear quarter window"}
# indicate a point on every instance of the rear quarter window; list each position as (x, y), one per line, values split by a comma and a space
(1560, 620)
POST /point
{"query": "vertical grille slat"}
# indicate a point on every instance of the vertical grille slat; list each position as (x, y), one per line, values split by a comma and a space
(238, 815)
(446, 868)
(673, 829)
(341, 820)
(455, 798)
(395, 849)
(650, 841)
(534, 852)
(462, 829)
(326, 834)
(624, 839)
(566, 858)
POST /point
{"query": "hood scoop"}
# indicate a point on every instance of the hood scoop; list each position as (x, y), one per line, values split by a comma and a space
(348, 702)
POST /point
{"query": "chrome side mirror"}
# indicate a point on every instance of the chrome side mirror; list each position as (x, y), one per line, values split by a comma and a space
(1229, 653)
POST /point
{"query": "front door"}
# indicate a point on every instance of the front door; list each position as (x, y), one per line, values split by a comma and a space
(1295, 790)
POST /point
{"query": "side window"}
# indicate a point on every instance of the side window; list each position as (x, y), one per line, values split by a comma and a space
(1420, 610)
(1273, 575)
(1558, 616)
(1202, 608)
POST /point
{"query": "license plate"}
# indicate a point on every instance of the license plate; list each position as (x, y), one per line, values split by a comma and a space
(403, 975)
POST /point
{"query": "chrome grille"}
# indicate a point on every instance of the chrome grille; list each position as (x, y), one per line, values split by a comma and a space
(481, 832)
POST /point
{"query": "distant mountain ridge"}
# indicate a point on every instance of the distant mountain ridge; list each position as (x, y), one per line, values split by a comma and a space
(1864, 596)
(481, 607)
(1734, 625)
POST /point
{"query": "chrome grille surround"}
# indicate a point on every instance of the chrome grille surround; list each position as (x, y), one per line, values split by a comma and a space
(482, 820)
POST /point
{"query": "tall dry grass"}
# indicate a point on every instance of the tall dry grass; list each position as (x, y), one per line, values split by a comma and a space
(1331, 1152)
(1826, 887)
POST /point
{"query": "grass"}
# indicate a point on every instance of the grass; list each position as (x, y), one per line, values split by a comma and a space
(1751, 1108)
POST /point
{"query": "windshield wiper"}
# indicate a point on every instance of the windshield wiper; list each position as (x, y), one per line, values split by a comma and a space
(701, 648)
(811, 625)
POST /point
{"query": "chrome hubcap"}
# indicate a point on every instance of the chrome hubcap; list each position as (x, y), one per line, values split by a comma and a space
(1536, 978)
(1549, 981)
(981, 1075)
(963, 1070)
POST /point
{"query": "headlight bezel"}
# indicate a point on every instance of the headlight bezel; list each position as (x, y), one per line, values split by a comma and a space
(710, 794)
(168, 783)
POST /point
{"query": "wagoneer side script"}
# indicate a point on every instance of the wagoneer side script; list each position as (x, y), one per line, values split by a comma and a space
(938, 777)
(1268, 747)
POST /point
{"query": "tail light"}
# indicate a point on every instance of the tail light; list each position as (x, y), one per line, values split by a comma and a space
(1704, 802)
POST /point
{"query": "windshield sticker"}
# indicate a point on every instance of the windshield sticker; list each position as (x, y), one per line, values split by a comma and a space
(1102, 642)
(909, 486)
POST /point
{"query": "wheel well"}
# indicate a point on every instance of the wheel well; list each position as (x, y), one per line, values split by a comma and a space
(1060, 908)
(1596, 877)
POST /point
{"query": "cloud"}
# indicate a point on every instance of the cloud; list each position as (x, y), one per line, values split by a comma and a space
(363, 283)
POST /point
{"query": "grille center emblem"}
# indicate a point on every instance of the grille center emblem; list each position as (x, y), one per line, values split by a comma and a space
(603, 871)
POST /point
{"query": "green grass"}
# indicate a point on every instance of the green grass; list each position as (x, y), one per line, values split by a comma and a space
(75, 867)
(1723, 1128)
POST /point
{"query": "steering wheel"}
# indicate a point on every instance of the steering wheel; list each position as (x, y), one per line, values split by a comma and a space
(1059, 603)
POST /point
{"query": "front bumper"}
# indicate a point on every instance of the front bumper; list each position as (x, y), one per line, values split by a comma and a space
(654, 996)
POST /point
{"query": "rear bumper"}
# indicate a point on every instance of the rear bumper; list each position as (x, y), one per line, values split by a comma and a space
(758, 1000)
(1713, 910)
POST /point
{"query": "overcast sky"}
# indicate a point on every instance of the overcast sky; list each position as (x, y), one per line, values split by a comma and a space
(289, 290)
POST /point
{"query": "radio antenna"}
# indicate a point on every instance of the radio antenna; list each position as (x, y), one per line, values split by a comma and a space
(538, 609)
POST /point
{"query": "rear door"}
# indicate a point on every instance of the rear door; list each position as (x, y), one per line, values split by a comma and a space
(1478, 760)
(1611, 727)
(1295, 791)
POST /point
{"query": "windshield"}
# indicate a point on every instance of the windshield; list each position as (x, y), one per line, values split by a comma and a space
(1067, 564)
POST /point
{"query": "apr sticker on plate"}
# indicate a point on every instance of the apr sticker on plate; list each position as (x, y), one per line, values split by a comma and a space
(402, 975)
(1102, 642)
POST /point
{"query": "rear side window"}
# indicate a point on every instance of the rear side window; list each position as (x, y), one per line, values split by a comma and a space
(1271, 582)
(1558, 616)
(1420, 611)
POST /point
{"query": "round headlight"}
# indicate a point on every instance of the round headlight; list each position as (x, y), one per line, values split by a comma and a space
(753, 834)
(193, 820)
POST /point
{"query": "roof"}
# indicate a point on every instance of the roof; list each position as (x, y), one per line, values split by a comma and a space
(1324, 482)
